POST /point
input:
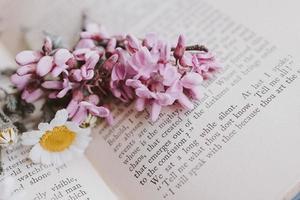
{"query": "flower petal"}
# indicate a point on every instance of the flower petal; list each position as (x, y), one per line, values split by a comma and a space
(155, 110)
(26, 69)
(80, 115)
(28, 57)
(20, 81)
(60, 118)
(31, 137)
(52, 85)
(35, 153)
(133, 44)
(185, 102)
(72, 108)
(62, 56)
(140, 104)
(191, 80)
(144, 92)
(44, 127)
(44, 66)
(32, 96)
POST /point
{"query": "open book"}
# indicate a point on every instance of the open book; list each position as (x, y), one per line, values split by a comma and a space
(241, 141)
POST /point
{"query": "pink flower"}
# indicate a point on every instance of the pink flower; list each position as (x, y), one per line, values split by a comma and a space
(132, 44)
(90, 59)
(110, 62)
(29, 84)
(85, 44)
(21, 81)
(43, 62)
(77, 97)
(63, 59)
(180, 47)
(30, 95)
(150, 40)
(78, 111)
(34, 65)
(207, 64)
(143, 63)
(147, 71)
(154, 91)
(119, 74)
(28, 57)
(61, 87)
(203, 63)
(111, 47)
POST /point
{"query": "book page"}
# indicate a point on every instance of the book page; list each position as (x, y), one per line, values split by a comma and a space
(76, 180)
(241, 141)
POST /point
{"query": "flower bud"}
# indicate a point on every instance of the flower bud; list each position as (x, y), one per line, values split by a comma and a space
(110, 62)
(180, 48)
(111, 46)
(133, 44)
(48, 46)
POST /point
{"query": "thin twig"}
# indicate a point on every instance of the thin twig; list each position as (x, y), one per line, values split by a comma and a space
(196, 47)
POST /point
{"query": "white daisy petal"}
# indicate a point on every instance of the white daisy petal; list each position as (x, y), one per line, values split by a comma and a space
(67, 155)
(57, 158)
(31, 134)
(82, 142)
(30, 141)
(31, 138)
(46, 158)
(35, 153)
(44, 127)
(60, 118)
(76, 150)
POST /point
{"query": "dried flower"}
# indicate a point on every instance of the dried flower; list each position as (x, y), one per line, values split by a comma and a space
(89, 122)
(8, 137)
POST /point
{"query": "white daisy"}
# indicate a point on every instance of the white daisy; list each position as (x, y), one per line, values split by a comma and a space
(58, 141)
(8, 137)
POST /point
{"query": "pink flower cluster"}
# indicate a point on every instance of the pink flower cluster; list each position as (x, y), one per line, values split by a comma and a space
(148, 71)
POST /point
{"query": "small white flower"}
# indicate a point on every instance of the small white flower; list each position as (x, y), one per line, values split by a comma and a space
(58, 141)
(89, 122)
(8, 137)
(7, 187)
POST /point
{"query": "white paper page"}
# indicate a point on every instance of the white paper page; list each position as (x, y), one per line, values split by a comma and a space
(75, 180)
(256, 157)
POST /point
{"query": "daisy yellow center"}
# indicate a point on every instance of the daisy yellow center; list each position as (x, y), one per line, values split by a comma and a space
(58, 139)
